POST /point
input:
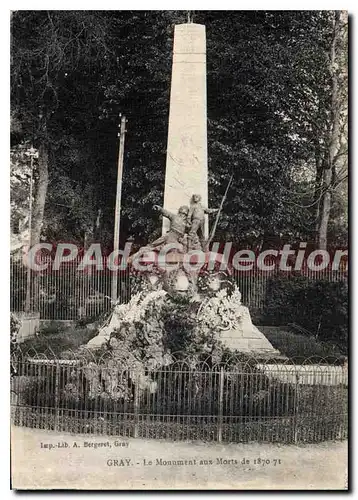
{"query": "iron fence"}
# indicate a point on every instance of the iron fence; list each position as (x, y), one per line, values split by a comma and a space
(69, 294)
(239, 400)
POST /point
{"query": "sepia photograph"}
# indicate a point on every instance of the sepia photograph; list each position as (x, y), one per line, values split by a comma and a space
(179, 250)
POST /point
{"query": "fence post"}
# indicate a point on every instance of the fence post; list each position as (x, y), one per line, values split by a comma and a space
(296, 406)
(136, 401)
(57, 396)
(221, 401)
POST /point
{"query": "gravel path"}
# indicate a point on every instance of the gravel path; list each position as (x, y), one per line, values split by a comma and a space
(119, 463)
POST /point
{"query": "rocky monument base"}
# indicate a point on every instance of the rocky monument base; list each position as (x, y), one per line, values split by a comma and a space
(247, 338)
(212, 294)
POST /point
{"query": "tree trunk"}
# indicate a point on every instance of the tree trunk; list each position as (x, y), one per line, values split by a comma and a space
(325, 211)
(334, 134)
(317, 197)
(40, 195)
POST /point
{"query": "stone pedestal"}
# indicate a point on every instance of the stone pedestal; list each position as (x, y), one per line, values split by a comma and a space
(30, 325)
(247, 338)
(187, 158)
(104, 333)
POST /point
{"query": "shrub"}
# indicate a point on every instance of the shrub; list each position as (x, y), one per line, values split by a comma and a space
(101, 398)
(297, 345)
(321, 307)
(327, 304)
(50, 328)
(58, 343)
(15, 325)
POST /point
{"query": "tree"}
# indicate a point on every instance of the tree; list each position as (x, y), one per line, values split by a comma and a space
(46, 47)
(336, 139)
(20, 180)
(319, 121)
(269, 102)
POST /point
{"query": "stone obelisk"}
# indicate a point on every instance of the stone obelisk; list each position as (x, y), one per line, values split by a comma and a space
(187, 157)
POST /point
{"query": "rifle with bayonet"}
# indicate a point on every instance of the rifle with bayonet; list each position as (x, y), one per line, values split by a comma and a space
(213, 230)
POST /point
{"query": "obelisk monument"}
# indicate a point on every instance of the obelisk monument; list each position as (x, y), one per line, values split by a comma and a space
(187, 156)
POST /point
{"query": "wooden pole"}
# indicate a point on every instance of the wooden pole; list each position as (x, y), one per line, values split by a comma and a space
(117, 214)
(31, 153)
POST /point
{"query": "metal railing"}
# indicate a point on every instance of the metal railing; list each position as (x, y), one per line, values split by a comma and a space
(69, 294)
(240, 400)
(66, 294)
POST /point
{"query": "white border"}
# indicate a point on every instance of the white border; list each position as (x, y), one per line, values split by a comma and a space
(4, 172)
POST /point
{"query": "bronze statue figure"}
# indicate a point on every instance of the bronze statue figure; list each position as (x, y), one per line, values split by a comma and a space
(196, 220)
(178, 226)
(176, 233)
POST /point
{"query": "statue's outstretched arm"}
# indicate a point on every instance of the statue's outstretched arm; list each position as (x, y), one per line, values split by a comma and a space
(164, 212)
(211, 210)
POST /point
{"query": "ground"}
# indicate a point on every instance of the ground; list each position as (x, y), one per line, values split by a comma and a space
(322, 466)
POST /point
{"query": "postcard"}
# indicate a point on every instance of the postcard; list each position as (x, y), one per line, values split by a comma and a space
(179, 250)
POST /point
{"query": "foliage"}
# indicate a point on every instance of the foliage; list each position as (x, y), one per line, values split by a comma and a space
(222, 311)
(179, 323)
(15, 325)
(155, 323)
(328, 304)
(298, 346)
(53, 53)
(139, 336)
(264, 408)
(320, 306)
(58, 341)
(165, 312)
(268, 85)
(20, 175)
(50, 328)
(279, 430)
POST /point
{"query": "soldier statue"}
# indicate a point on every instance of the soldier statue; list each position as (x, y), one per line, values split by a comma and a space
(178, 226)
(176, 233)
(196, 220)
